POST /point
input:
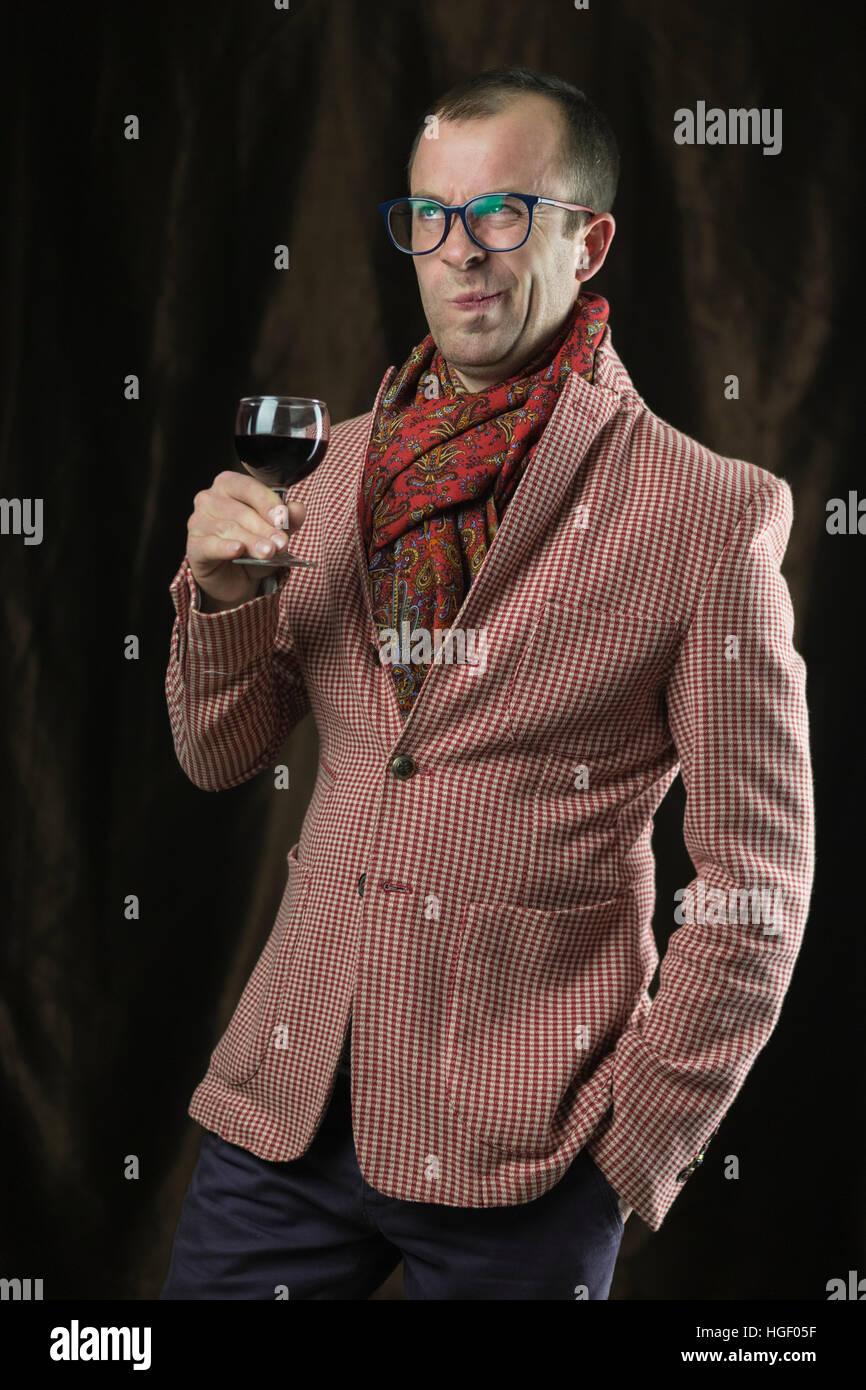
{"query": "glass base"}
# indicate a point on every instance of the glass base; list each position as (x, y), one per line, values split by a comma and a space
(282, 560)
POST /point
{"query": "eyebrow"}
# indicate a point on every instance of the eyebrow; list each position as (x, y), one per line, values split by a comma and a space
(422, 193)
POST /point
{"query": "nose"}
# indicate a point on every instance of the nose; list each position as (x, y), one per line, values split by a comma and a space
(458, 247)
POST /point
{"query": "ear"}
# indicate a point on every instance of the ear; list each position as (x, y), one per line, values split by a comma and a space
(596, 238)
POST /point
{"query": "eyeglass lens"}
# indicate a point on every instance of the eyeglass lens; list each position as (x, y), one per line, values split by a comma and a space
(499, 222)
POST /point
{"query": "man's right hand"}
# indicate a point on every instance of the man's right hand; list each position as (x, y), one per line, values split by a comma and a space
(235, 516)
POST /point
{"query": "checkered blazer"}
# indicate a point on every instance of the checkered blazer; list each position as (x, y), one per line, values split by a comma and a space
(474, 886)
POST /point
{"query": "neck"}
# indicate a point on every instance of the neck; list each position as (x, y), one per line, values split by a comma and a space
(473, 385)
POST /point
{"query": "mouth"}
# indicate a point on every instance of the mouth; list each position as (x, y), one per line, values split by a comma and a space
(477, 303)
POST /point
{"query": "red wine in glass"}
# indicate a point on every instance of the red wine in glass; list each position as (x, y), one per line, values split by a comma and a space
(280, 440)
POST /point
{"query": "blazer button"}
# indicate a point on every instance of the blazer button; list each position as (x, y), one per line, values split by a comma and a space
(361, 884)
(374, 654)
(402, 765)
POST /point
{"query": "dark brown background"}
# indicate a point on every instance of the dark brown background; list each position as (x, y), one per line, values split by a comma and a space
(156, 257)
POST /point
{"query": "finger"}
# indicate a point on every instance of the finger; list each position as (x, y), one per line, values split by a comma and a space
(213, 553)
(243, 488)
(260, 546)
(216, 511)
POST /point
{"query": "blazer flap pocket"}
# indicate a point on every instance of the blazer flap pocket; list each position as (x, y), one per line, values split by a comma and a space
(526, 1017)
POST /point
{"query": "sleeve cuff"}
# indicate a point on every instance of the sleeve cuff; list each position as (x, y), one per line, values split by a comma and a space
(226, 642)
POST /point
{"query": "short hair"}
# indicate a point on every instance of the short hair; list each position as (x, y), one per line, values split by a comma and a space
(589, 155)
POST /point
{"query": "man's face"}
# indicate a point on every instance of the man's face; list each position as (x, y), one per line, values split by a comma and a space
(513, 152)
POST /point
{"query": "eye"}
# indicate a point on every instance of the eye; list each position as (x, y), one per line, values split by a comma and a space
(485, 206)
(499, 209)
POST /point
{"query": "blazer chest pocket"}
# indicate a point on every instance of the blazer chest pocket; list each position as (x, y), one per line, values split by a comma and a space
(592, 680)
(241, 1050)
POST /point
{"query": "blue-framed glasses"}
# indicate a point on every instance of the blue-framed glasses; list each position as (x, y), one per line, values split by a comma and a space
(494, 221)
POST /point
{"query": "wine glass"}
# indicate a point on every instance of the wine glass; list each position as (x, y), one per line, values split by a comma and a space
(280, 440)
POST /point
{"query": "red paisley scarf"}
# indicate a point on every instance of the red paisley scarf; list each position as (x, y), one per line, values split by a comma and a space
(443, 464)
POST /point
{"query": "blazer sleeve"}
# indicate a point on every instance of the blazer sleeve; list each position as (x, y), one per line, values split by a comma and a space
(234, 686)
(736, 705)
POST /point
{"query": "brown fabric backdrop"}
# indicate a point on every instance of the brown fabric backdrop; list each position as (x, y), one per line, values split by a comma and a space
(155, 257)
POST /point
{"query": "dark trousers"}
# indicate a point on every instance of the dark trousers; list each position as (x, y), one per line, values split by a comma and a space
(250, 1227)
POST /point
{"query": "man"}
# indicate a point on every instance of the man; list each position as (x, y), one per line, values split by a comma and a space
(473, 886)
